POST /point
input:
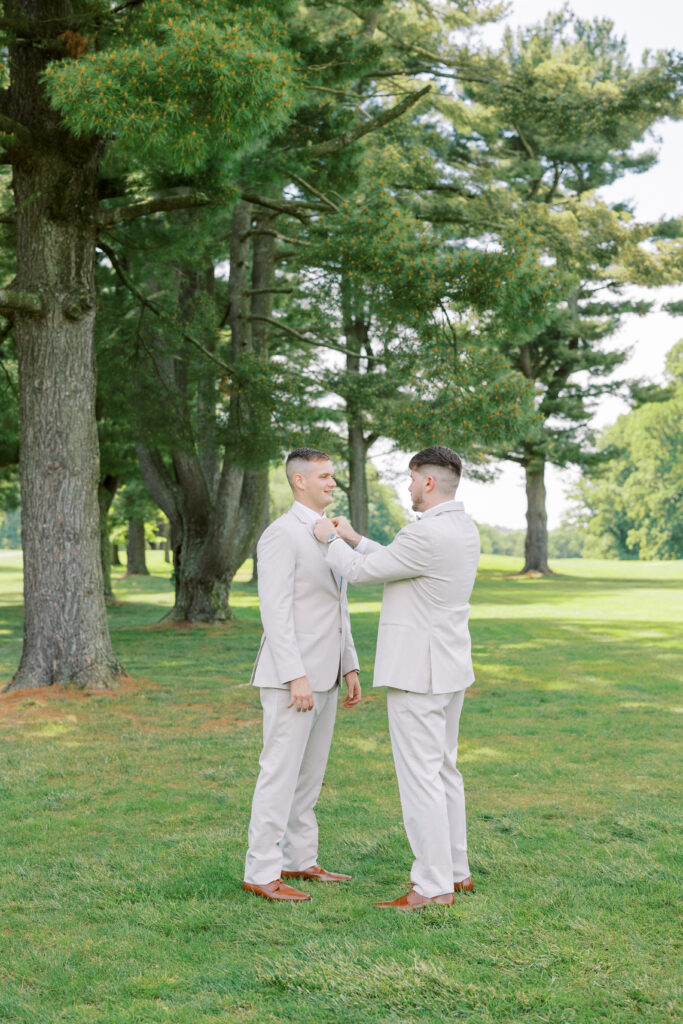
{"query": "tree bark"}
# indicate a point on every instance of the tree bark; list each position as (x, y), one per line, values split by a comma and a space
(358, 481)
(264, 523)
(105, 496)
(356, 336)
(536, 541)
(136, 564)
(167, 542)
(66, 637)
(215, 506)
(115, 559)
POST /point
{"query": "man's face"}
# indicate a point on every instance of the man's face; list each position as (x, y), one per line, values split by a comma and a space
(416, 490)
(319, 483)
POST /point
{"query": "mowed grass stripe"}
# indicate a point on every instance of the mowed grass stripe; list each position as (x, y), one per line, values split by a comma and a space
(124, 824)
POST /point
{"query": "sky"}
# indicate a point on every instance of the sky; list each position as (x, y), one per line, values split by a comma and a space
(655, 25)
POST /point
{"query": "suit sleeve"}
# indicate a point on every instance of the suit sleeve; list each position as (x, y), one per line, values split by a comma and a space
(349, 658)
(276, 567)
(406, 557)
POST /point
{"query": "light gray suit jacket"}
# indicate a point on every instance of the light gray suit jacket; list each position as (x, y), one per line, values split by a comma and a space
(305, 614)
(428, 571)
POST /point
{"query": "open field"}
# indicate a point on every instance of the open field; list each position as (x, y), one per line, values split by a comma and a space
(124, 824)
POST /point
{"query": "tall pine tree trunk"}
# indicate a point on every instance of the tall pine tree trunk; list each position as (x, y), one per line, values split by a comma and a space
(215, 508)
(105, 495)
(135, 550)
(66, 637)
(167, 541)
(358, 482)
(265, 519)
(536, 542)
(356, 336)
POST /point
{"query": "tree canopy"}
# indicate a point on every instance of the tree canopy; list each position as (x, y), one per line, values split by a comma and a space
(633, 505)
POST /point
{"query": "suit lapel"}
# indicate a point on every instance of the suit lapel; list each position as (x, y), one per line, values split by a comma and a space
(307, 525)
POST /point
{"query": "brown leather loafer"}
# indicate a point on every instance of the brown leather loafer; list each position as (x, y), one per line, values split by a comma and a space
(276, 890)
(467, 885)
(317, 873)
(413, 901)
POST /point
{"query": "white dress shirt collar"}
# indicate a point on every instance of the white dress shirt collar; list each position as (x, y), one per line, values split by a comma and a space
(310, 512)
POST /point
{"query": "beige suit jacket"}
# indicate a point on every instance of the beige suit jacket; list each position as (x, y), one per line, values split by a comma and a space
(428, 571)
(305, 613)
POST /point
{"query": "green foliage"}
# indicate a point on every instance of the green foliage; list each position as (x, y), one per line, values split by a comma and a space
(635, 503)
(469, 400)
(10, 523)
(132, 501)
(496, 540)
(575, 73)
(187, 83)
(568, 541)
(546, 121)
(9, 415)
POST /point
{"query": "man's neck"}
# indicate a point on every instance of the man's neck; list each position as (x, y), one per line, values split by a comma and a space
(441, 500)
(312, 508)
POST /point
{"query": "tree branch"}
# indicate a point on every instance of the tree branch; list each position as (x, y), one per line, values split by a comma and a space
(346, 138)
(13, 301)
(148, 304)
(109, 216)
(454, 188)
(281, 206)
(315, 342)
(159, 482)
(527, 148)
(307, 185)
(21, 133)
(280, 237)
(269, 291)
(125, 6)
(427, 69)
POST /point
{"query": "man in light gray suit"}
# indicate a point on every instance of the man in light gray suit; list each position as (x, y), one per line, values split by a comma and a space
(424, 658)
(306, 649)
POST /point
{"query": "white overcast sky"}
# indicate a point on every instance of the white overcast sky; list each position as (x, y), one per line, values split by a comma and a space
(653, 25)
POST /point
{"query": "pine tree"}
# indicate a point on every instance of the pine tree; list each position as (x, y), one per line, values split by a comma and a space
(176, 86)
(208, 473)
(538, 128)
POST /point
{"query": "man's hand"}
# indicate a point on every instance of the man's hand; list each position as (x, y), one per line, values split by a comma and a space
(353, 685)
(345, 530)
(323, 528)
(301, 694)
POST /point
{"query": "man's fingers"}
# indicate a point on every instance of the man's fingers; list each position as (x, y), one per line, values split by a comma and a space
(301, 705)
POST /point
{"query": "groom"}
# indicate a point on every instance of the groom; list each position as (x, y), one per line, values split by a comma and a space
(424, 658)
(306, 648)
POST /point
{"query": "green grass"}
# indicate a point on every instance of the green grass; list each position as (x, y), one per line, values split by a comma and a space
(124, 824)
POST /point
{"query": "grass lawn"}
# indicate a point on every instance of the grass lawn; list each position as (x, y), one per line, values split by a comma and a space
(124, 824)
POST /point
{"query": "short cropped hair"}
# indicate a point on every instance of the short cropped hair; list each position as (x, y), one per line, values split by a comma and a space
(293, 462)
(446, 463)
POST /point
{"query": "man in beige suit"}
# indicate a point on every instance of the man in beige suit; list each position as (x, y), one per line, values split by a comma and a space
(306, 648)
(424, 658)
